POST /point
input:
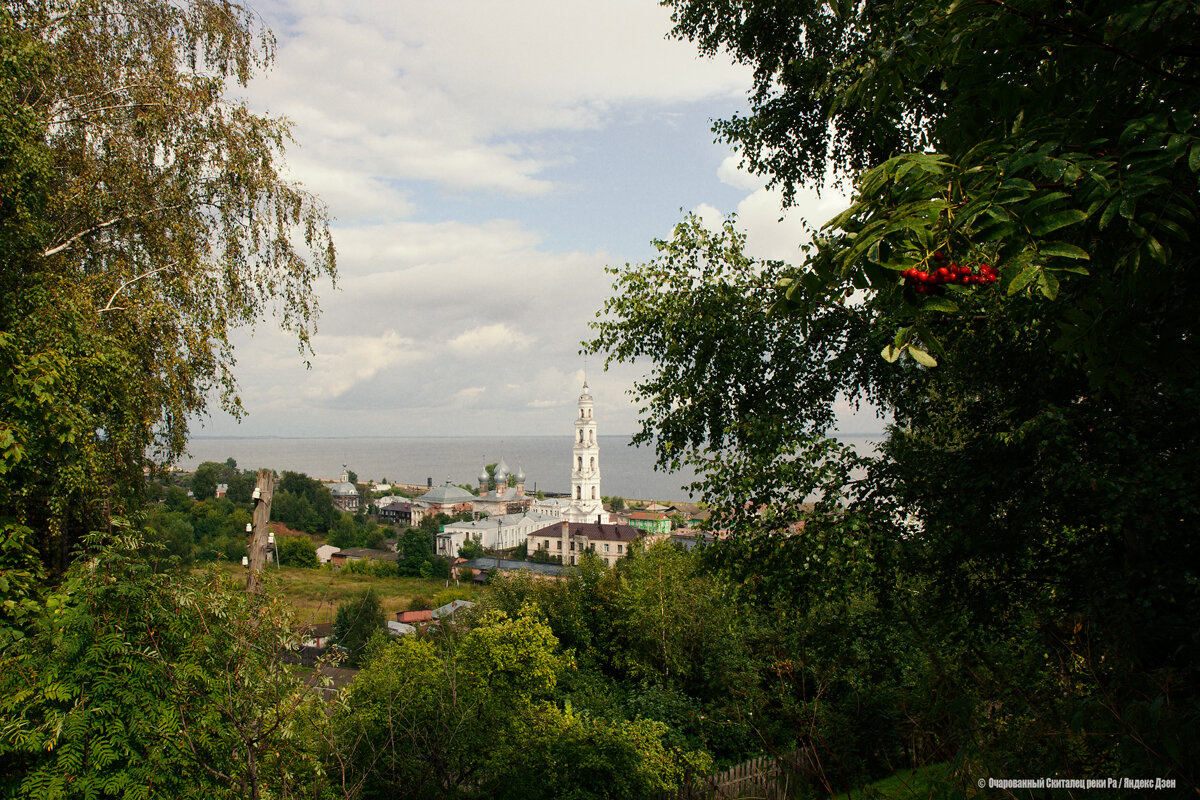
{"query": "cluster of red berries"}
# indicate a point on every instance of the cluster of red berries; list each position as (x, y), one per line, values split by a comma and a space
(930, 282)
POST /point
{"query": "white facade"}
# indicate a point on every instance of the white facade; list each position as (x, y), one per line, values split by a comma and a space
(586, 505)
(555, 507)
(494, 533)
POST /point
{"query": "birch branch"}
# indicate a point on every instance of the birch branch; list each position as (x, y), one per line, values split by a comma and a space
(109, 305)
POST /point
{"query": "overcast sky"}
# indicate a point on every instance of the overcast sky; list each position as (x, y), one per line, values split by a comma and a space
(484, 162)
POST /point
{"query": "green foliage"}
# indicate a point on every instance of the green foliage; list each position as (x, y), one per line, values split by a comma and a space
(297, 551)
(305, 504)
(1043, 432)
(473, 719)
(357, 620)
(471, 549)
(415, 549)
(134, 679)
(165, 227)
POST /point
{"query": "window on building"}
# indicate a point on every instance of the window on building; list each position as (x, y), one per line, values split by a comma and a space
(559, 544)
(606, 548)
(593, 492)
(593, 460)
(618, 548)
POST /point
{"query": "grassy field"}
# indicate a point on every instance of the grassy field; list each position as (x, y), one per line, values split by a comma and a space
(315, 593)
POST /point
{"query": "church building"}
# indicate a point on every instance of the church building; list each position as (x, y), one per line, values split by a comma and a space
(508, 495)
(585, 466)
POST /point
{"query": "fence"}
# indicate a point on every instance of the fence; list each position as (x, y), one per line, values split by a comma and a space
(765, 778)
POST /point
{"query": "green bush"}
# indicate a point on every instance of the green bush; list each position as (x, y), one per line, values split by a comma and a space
(297, 551)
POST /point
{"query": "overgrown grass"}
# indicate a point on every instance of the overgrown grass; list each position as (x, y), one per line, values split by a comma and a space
(908, 784)
(315, 593)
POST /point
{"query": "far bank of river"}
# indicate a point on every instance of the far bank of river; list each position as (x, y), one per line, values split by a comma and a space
(626, 471)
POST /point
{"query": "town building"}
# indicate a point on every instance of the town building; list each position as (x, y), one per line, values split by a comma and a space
(345, 494)
(502, 532)
(655, 522)
(399, 511)
(448, 499)
(568, 540)
(551, 506)
(508, 494)
(348, 554)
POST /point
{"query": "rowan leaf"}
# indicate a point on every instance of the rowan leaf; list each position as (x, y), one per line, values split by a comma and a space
(1063, 250)
(1057, 220)
(1023, 279)
(921, 357)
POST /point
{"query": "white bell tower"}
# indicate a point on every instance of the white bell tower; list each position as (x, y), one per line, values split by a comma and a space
(586, 505)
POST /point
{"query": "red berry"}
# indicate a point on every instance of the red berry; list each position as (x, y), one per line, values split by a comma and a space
(938, 256)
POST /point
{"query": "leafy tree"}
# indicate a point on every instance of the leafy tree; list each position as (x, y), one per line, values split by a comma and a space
(357, 620)
(205, 479)
(139, 233)
(316, 514)
(471, 549)
(415, 548)
(1042, 432)
(432, 523)
(297, 551)
(135, 678)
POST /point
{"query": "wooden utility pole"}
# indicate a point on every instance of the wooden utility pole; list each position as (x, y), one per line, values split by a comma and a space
(258, 541)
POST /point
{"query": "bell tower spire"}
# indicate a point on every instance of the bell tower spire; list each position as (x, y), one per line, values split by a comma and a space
(586, 505)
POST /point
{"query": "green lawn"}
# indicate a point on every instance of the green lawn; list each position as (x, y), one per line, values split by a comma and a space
(315, 593)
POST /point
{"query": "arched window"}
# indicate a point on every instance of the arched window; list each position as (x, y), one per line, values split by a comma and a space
(593, 492)
(581, 463)
(578, 492)
(591, 436)
(593, 460)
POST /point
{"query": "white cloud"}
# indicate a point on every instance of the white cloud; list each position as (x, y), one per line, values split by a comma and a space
(710, 216)
(465, 396)
(772, 231)
(346, 361)
(488, 340)
(448, 92)
(731, 174)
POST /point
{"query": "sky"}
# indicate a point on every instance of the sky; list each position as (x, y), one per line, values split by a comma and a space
(484, 163)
